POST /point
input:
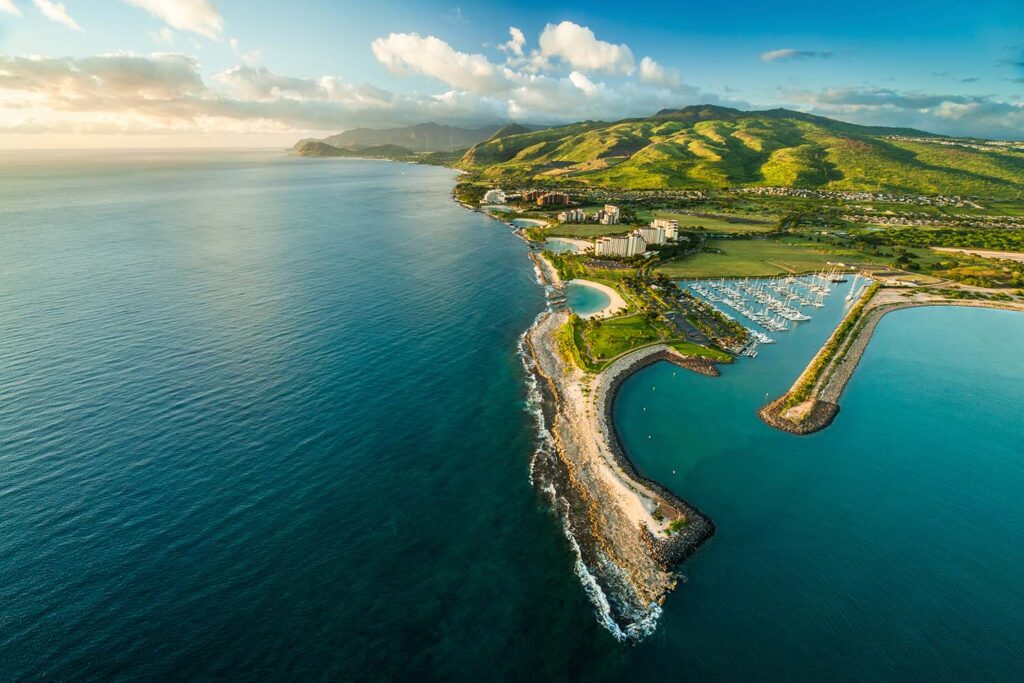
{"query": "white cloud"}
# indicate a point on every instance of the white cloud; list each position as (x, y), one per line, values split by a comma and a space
(197, 16)
(514, 46)
(578, 46)
(947, 114)
(655, 74)
(56, 11)
(791, 54)
(583, 83)
(9, 7)
(251, 57)
(164, 35)
(404, 53)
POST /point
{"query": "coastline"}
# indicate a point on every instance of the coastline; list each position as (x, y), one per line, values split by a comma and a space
(637, 530)
(820, 408)
(616, 304)
(581, 245)
(628, 532)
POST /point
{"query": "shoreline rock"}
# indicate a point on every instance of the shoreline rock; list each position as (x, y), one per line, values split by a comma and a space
(822, 406)
(671, 550)
(628, 516)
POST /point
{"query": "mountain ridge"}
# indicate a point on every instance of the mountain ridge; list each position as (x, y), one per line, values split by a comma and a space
(709, 146)
(702, 146)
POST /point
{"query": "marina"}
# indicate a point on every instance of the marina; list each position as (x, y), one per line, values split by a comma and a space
(769, 304)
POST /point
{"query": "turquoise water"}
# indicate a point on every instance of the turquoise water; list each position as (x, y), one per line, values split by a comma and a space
(557, 245)
(885, 547)
(263, 418)
(527, 222)
(583, 299)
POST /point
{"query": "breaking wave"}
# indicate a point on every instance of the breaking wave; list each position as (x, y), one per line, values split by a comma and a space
(625, 622)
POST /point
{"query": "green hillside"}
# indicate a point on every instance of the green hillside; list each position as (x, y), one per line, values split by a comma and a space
(714, 147)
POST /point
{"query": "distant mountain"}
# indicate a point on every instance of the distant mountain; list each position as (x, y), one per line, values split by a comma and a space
(709, 146)
(319, 148)
(421, 138)
(510, 129)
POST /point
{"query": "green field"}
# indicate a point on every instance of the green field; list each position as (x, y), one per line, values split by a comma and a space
(720, 224)
(585, 230)
(609, 338)
(751, 258)
(691, 349)
(603, 341)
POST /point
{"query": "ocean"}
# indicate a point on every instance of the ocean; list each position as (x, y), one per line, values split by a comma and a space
(265, 418)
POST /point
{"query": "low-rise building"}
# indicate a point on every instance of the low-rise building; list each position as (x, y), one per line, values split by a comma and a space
(572, 216)
(609, 215)
(494, 196)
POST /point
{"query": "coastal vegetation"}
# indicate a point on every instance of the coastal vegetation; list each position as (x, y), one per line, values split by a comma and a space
(996, 239)
(836, 344)
(568, 265)
(659, 313)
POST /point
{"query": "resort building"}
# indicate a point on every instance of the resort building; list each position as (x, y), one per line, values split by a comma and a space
(572, 216)
(609, 215)
(494, 196)
(670, 225)
(553, 199)
(531, 195)
(626, 246)
(653, 235)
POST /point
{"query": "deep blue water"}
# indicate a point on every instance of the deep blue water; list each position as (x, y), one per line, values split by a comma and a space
(262, 418)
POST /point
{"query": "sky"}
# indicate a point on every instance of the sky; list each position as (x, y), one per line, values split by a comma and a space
(264, 73)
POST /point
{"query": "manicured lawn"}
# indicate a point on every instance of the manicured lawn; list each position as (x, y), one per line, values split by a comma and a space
(585, 230)
(691, 349)
(611, 337)
(739, 224)
(749, 258)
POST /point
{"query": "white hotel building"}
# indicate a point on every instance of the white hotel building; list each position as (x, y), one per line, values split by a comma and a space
(670, 225)
(626, 246)
(609, 215)
(653, 235)
(494, 196)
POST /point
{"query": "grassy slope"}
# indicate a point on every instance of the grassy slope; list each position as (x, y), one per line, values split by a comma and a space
(714, 147)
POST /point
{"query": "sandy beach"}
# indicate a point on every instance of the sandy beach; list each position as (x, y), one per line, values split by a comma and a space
(581, 245)
(616, 303)
(630, 517)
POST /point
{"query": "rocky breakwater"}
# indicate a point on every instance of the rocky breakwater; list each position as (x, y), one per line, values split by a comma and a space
(803, 409)
(630, 531)
(671, 546)
(813, 401)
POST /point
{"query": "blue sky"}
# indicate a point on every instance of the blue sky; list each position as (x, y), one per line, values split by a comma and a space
(199, 72)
